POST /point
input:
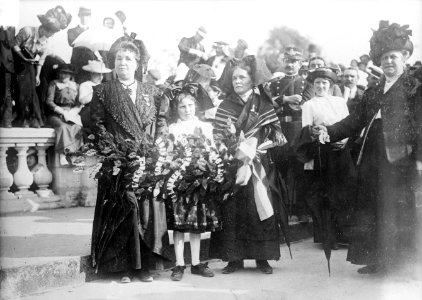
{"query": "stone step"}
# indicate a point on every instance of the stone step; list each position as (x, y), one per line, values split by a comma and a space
(59, 243)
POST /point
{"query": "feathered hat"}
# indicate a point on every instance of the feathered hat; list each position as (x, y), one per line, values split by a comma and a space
(388, 38)
(55, 19)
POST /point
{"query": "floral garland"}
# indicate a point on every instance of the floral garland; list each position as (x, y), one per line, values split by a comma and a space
(163, 167)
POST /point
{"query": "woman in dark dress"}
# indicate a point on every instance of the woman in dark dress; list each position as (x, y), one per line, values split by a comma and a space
(384, 227)
(127, 231)
(250, 219)
(31, 49)
(329, 175)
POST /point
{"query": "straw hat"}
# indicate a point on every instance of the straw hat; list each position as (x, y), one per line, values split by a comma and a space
(96, 66)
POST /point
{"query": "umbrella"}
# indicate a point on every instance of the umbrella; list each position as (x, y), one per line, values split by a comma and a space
(97, 39)
(320, 203)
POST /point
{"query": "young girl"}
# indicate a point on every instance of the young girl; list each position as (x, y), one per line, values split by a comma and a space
(62, 101)
(186, 124)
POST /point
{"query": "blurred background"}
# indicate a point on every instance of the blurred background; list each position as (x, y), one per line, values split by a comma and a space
(338, 30)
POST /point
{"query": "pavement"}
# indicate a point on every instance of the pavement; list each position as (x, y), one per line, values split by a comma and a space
(303, 277)
(45, 255)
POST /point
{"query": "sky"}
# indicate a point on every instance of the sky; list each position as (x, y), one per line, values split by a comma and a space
(341, 27)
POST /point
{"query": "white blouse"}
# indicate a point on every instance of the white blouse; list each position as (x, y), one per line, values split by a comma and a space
(323, 111)
(181, 128)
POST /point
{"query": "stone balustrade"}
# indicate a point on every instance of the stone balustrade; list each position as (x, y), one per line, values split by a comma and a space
(57, 186)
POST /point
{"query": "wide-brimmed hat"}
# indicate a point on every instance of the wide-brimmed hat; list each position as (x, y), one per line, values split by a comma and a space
(96, 66)
(323, 72)
(66, 68)
(389, 38)
(55, 19)
(83, 11)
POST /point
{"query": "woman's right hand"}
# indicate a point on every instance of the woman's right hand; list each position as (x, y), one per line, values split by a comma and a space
(317, 129)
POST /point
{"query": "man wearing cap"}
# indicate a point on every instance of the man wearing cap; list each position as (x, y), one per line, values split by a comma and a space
(85, 16)
(287, 95)
(220, 59)
(80, 55)
(192, 52)
(390, 160)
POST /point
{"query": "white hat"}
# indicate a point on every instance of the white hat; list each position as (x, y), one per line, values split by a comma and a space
(96, 66)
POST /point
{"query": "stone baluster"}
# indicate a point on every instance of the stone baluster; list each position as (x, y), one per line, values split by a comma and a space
(6, 179)
(42, 175)
(23, 178)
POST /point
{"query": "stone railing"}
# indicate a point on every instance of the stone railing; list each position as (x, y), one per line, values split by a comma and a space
(57, 186)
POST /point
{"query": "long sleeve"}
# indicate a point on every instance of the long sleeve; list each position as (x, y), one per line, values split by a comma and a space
(162, 105)
(350, 125)
(97, 115)
(184, 45)
(307, 115)
(50, 96)
(418, 124)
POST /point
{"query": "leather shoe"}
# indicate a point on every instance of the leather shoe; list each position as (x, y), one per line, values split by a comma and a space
(264, 267)
(145, 276)
(233, 266)
(177, 273)
(202, 269)
(370, 269)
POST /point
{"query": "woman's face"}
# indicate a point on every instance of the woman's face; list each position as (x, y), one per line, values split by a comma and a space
(125, 64)
(393, 63)
(242, 82)
(65, 77)
(186, 109)
(322, 86)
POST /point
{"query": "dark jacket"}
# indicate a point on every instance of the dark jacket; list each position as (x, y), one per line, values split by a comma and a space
(185, 57)
(352, 103)
(73, 33)
(401, 124)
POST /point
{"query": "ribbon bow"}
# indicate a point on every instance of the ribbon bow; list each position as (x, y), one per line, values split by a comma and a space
(252, 167)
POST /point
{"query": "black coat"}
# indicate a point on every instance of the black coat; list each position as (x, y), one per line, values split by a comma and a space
(385, 205)
(118, 242)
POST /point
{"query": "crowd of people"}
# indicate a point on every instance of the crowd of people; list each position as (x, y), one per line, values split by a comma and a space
(346, 142)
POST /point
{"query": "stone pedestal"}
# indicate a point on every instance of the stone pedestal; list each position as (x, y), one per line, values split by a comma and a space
(43, 177)
(23, 178)
(6, 179)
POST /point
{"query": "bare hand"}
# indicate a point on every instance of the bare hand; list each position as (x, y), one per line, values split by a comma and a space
(293, 99)
(37, 81)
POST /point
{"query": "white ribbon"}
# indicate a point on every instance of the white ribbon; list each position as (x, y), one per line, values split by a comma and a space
(251, 167)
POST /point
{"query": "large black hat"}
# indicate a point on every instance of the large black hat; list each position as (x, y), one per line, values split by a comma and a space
(66, 68)
(323, 72)
(388, 38)
(55, 19)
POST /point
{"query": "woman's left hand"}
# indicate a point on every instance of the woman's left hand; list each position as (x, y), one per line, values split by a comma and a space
(37, 81)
